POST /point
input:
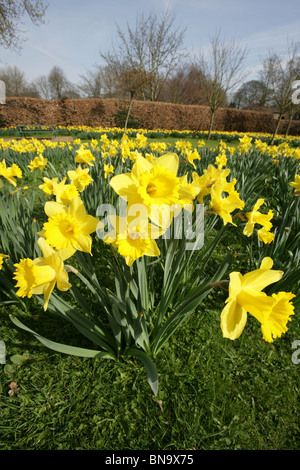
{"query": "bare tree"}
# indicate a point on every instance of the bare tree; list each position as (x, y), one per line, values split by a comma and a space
(109, 83)
(16, 83)
(279, 72)
(11, 15)
(183, 86)
(57, 82)
(91, 83)
(14, 79)
(153, 45)
(253, 95)
(220, 71)
(60, 86)
(42, 86)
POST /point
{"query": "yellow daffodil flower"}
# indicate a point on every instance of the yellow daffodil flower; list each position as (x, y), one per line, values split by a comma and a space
(66, 194)
(245, 143)
(256, 217)
(153, 184)
(221, 160)
(261, 146)
(206, 181)
(183, 146)
(38, 163)
(134, 237)
(224, 206)
(190, 156)
(159, 147)
(10, 173)
(84, 156)
(141, 140)
(265, 236)
(39, 276)
(48, 185)
(69, 226)
(15, 171)
(94, 143)
(108, 169)
(113, 150)
(246, 296)
(296, 185)
(80, 178)
(105, 142)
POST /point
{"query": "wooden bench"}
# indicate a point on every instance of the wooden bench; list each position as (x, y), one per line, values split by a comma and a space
(33, 129)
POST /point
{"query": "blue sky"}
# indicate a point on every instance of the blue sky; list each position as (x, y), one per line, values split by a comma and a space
(76, 30)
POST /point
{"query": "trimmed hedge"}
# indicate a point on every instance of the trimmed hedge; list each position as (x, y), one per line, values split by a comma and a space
(150, 115)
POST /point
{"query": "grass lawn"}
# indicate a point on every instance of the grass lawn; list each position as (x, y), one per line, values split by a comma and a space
(214, 393)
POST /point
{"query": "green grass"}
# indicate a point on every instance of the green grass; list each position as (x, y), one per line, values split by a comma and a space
(214, 393)
(209, 144)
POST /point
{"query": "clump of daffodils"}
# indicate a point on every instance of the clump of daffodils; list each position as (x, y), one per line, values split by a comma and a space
(67, 230)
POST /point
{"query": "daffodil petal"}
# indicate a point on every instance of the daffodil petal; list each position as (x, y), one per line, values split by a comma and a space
(170, 161)
(261, 278)
(66, 253)
(124, 186)
(38, 290)
(140, 166)
(45, 274)
(161, 214)
(235, 284)
(45, 248)
(267, 263)
(63, 281)
(47, 293)
(233, 320)
(83, 243)
(248, 229)
(257, 205)
(153, 249)
(77, 209)
(90, 224)
(52, 208)
(255, 302)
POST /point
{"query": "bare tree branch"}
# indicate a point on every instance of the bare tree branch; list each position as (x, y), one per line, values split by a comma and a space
(220, 71)
(11, 15)
(153, 45)
(279, 72)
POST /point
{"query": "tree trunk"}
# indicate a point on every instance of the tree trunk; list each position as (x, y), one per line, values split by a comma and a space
(276, 129)
(128, 113)
(288, 126)
(211, 124)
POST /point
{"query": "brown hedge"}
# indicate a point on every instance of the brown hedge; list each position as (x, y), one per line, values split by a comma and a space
(150, 115)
